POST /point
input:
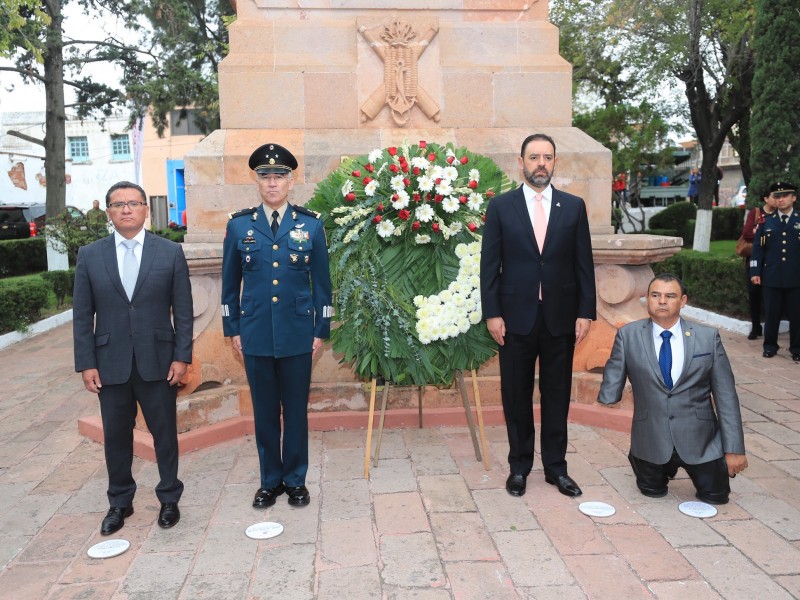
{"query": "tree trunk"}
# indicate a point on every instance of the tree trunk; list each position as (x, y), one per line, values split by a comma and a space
(55, 119)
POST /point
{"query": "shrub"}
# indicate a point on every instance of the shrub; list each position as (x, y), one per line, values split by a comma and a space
(68, 234)
(675, 216)
(21, 302)
(727, 223)
(61, 282)
(176, 235)
(713, 282)
(20, 257)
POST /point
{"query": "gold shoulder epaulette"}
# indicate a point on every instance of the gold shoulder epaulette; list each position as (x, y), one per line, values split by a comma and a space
(241, 213)
(306, 211)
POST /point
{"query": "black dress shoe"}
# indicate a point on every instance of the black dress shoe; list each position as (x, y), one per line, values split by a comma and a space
(298, 495)
(515, 485)
(796, 357)
(769, 353)
(753, 334)
(653, 493)
(266, 497)
(565, 485)
(115, 519)
(169, 515)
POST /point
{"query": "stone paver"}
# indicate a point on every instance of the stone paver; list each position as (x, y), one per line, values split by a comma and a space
(430, 524)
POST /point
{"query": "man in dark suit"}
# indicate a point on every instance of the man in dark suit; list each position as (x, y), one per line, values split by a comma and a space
(538, 298)
(132, 329)
(775, 266)
(276, 308)
(680, 374)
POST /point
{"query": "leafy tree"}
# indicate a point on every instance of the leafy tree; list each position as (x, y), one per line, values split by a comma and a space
(775, 122)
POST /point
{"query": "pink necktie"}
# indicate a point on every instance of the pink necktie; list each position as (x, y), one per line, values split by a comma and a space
(539, 227)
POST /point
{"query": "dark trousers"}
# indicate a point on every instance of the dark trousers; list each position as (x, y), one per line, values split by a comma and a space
(776, 300)
(754, 299)
(118, 412)
(517, 374)
(710, 479)
(275, 384)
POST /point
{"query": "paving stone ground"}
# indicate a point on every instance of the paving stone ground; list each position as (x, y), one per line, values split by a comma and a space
(430, 524)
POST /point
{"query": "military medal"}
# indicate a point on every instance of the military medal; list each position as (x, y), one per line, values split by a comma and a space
(293, 258)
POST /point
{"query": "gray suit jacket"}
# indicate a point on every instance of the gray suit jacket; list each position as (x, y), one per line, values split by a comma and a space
(683, 417)
(155, 326)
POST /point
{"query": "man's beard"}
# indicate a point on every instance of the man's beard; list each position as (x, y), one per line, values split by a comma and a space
(537, 179)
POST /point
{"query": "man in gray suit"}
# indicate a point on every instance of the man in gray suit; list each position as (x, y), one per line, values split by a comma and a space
(679, 373)
(132, 329)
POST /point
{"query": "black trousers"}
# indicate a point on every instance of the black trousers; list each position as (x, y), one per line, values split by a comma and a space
(517, 375)
(754, 299)
(118, 412)
(710, 479)
(776, 300)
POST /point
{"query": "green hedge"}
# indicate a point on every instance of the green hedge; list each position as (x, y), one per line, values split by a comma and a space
(61, 283)
(679, 220)
(21, 302)
(20, 257)
(716, 283)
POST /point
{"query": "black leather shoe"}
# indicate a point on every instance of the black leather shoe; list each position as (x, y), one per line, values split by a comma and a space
(754, 334)
(298, 495)
(653, 493)
(796, 357)
(265, 498)
(769, 353)
(169, 515)
(115, 519)
(565, 484)
(515, 485)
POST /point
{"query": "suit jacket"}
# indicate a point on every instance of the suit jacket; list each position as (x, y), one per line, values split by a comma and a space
(155, 325)
(276, 288)
(512, 266)
(683, 417)
(776, 251)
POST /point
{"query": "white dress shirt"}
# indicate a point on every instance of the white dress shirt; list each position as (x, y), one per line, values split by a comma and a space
(675, 344)
(530, 200)
(121, 249)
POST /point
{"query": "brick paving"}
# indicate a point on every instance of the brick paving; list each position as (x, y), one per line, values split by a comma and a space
(430, 524)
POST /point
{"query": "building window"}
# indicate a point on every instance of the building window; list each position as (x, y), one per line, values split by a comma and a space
(182, 122)
(79, 148)
(120, 147)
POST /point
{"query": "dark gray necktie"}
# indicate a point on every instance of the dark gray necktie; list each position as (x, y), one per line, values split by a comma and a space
(274, 225)
(130, 267)
(785, 219)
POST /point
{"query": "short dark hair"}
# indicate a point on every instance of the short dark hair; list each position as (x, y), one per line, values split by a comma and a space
(542, 137)
(666, 278)
(124, 185)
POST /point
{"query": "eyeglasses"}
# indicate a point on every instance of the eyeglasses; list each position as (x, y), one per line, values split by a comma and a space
(133, 205)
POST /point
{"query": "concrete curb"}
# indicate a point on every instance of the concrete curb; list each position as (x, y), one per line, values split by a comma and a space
(39, 327)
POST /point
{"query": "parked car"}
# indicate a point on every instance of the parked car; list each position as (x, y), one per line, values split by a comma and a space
(19, 221)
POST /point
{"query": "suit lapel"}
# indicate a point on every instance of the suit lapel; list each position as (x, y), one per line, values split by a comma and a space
(524, 217)
(111, 265)
(556, 211)
(148, 256)
(261, 223)
(650, 350)
(688, 349)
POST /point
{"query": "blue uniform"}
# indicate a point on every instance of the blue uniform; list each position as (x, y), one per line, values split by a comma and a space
(776, 259)
(276, 295)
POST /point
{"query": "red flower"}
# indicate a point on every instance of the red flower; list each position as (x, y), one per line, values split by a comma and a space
(423, 143)
(464, 160)
(380, 207)
(377, 219)
(415, 226)
(438, 198)
(350, 197)
(431, 157)
(462, 199)
(394, 168)
(369, 167)
(489, 193)
(416, 197)
(483, 218)
(403, 215)
(404, 167)
(472, 227)
(435, 228)
(450, 160)
(415, 170)
(473, 184)
(356, 173)
(367, 180)
(392, 151)
(406, 181)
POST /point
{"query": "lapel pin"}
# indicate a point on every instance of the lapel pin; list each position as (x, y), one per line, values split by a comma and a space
(249, 232)
(688, 334)
(558, 204)
(294, 216)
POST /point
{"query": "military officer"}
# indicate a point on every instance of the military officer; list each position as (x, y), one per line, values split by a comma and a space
(276, 308)
(775, 265)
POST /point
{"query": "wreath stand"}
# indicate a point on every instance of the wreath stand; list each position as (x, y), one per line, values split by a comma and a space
(420, 390)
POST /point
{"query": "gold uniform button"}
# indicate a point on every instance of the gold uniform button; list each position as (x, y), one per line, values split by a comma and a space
(274, 282)
(275, 264)
(274, 298)
(274, 246)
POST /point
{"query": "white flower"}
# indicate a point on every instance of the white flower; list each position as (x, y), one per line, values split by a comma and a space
(474, 175)
(402, 200)
(450, 152)
(435, 172)
(419, 301)
(474, 201)
(450, 173)
(450, 204)
(424, 213)
(375, 156)
(444, 188)
(475, 317)
(398, 231)
(455, 227)
(370, 188)
(475, 248)
(425, 183)
(420, 162)
(385, 228)
(462, 250)
(397, 183)
(347, 187)
(422, 239)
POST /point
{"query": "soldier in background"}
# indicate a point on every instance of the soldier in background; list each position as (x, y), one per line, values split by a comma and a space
(276, 297)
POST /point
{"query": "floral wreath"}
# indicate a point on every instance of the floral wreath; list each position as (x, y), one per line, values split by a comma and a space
(403, 226)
